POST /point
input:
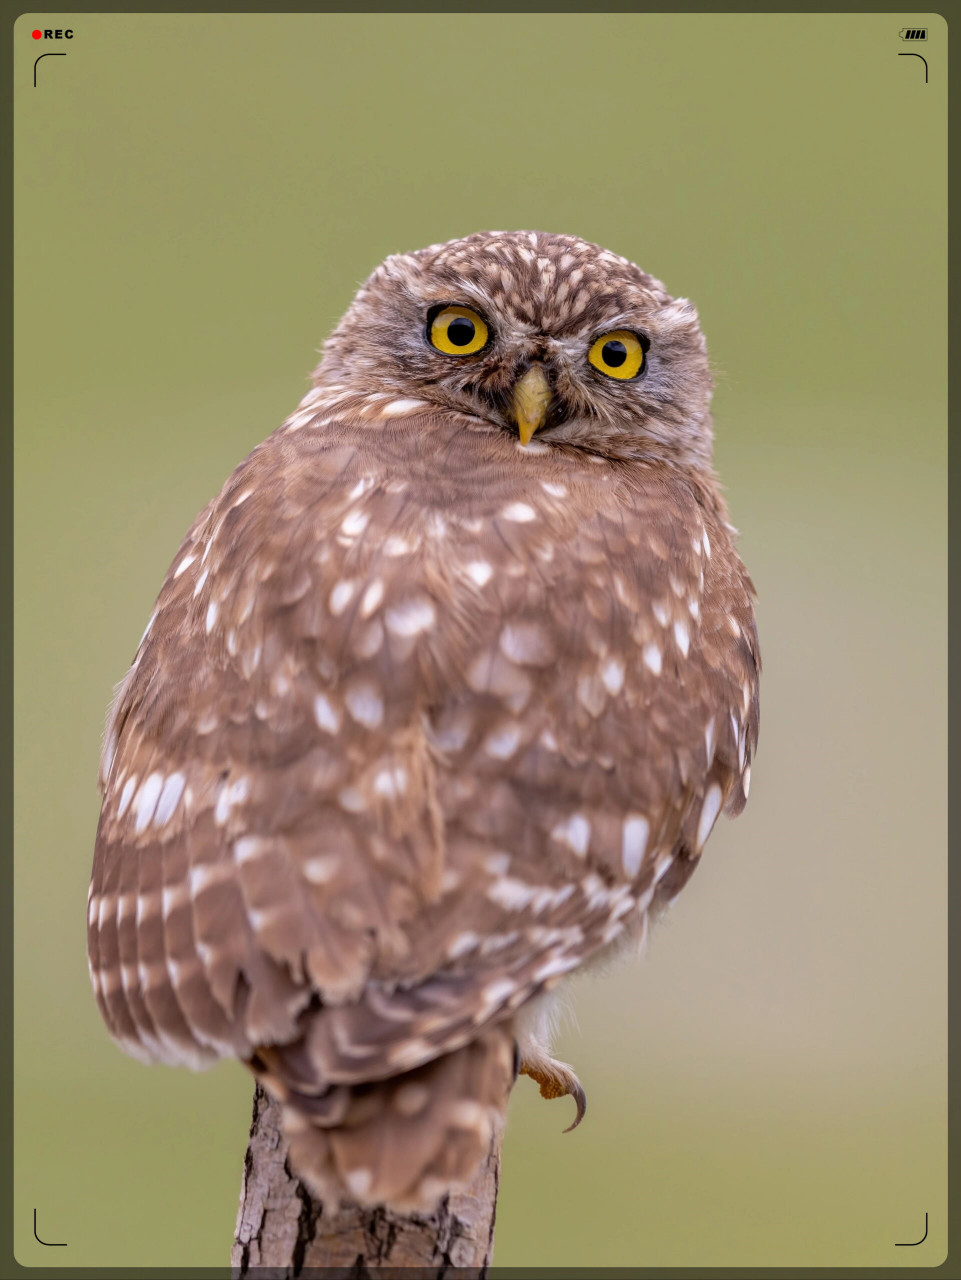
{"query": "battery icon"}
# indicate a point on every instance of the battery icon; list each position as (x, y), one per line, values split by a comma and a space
(913, 33)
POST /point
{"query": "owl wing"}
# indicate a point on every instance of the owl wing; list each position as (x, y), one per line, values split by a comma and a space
(375, 778)
(604, 710)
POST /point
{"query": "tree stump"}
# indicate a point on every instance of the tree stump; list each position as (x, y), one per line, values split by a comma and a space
(283, 1231)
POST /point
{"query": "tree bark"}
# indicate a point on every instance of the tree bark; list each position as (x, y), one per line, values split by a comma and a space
(283, 1231)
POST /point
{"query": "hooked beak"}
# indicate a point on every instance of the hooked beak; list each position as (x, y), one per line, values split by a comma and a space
(529, 402)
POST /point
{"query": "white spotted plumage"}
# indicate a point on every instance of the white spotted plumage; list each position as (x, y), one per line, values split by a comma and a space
(427, 718)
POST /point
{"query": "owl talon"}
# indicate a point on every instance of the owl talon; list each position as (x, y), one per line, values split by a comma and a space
(557, 1080)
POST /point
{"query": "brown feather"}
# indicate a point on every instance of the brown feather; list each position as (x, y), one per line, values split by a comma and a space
(423, 720)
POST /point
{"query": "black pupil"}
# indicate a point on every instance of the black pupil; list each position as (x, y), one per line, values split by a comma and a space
(460, 331)
(614, 353)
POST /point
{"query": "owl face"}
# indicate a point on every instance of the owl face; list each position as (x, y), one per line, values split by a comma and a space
(526, 332)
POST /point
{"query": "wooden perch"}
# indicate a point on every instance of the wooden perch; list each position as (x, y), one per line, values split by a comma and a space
(283, 1231)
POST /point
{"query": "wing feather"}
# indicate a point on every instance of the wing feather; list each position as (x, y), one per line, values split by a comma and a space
(435, 747)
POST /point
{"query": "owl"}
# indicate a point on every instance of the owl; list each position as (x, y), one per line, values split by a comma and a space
(440, 701)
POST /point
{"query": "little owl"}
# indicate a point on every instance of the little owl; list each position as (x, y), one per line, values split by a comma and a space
(440, 700)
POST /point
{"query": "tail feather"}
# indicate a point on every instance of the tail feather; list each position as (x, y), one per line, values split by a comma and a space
(408, 1140)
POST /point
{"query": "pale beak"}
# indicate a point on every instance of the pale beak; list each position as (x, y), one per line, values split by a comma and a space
(532, 395)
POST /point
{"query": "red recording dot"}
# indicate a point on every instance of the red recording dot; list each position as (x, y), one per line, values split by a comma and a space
(37, 35)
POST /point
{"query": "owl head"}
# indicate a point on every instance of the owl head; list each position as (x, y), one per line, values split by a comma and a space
(526, 332)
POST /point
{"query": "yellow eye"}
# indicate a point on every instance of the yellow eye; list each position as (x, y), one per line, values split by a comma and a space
(457, 331)
(618, 354)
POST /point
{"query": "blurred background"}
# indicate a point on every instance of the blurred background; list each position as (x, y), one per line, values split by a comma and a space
(197, 198)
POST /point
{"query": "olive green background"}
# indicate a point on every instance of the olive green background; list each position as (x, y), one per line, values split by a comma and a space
(197, 198)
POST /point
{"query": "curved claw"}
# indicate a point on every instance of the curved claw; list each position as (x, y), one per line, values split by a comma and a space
(558, 1081)
(580, 1097)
